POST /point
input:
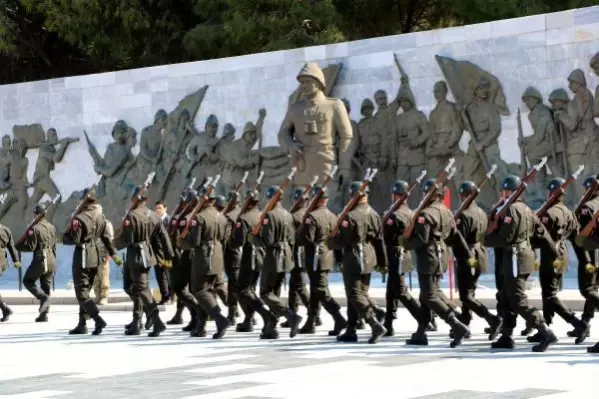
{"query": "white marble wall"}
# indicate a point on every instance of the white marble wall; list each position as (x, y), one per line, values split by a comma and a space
(539, 51)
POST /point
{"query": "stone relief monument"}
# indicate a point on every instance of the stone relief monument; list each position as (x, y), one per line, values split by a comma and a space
(398, 137)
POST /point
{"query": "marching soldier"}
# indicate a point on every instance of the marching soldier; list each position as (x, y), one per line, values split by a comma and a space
(148, 245)
(472, 224)
(513, 237)
(363, 248)
(400, 260)
(85, 229)
(206, 233)
(252, 258)
(277, 237)
(560, 223)
(433, 231)
(319, 261)
(232, 257)
(7, 244)
(40, 239)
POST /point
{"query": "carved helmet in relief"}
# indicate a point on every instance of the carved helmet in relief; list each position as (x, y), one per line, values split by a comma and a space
(559, 95)
(120, 130)
(160, 115)
(366, 103)
(311, 69)
(533, 93)
(405, 94)
(577, 76)
(594, 63)
(39, 208)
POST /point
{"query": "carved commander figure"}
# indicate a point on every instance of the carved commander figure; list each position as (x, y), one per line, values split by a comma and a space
(309, 126)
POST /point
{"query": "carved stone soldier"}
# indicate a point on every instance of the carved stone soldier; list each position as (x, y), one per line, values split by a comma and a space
(200, 151)
(18, 177)
(595, 67)
(309, 126)
(150, 144)
(5, 158)
(116, 157)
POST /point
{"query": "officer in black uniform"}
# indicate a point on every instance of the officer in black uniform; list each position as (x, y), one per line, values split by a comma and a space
(147, 244)
(7, 244)
(319, 261)
(434, 230)
(472, 224)
(86, 228)
(360, 238)
(40, 239)
(400, 260)
(252, 258)
(513, 236)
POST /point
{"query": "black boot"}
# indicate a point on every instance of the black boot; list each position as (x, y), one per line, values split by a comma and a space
(157, 324)
(149, 321)
(582, 329)
(192, 323)
(233, 313)
(495, 324)
(593, 349)
(81, 327)
(92, 310)
(134, 328)
(294, 320)
(100, 325)
(270, 328)
(536, 338)
(460, 331)
(309, 326)
(377, 331)
(379, 313)
(6, 311)
(389, 325)
(419, 338)
(222, 324)
(245, 326)
(349, 335)
(44, 304)
(360, 325)
(528, 330)
(340, 324)
(42, 318)
(177, 318)
(318, 321)
(547, 338)
(200, 329)
(432, 326)
(574, 333)
(504, 342)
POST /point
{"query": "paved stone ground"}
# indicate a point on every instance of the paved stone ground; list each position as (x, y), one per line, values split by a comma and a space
(42, 361)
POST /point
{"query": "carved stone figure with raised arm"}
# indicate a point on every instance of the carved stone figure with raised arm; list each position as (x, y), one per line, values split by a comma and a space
(238, 156)
(48, 157)
(309, 126)
(5, 159)
(150, 144)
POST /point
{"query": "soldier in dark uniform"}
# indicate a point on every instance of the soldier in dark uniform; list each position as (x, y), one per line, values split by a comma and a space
(251, 264)
(7, 244)
(40, 239)
(148, 245)
(319, 261)
(206, 233)
(84, 231)
(513, 236)
(434, 230)
(472, 224)
(360, 238)
(400, 260)
(277, 237)
(560, 223)
(587, 276)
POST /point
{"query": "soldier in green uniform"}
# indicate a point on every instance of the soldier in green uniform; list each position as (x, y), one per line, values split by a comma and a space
(148, 245)
(560, 223)
(7, 244)
(360, 238)
(277, 237)
(472, 224)
(40, 239)
(400, 260)
(587, 279)
(513, 237)
(319, 261)
(85, 229)
(434, 230)
(252, 258)
(207, 231)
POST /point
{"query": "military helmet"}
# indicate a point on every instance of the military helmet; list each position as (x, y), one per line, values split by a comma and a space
(160, 114)
(555, 184)
(254, 195)
(271, 191)
(589, 181)
(316, 189)
(39, 208)
(432, 184)
(202, 192)
(191, 195)
(511, 182)
(90, 194)
(297, 194)
(221, 202)
(231, 195)
(467, 187)
(354, 187)
(138, 192)
(400, 187)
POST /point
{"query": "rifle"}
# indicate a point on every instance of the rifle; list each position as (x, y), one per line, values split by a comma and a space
(560, 191)
(246, 202)
(181, 206)
(587, 196)
(370, 173)
(298, 203)
(401, 200)
(137, 199)
(314, 202)
(233, 199)
(466, 203)
(445, 173)
(79, 206)
(200, 205)
(36, 221)
(501, 209)
(272, 202)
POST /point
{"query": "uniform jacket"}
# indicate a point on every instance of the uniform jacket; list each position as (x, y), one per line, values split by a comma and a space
(206, 234)
(232, 255)
(87, 228)
(587, 253)
(277, 237)
(315, 233)
(41, 241)
(252, 257)
(473, 223)
(561, 224)
(392, 232)
(360, 238)
(299, 250)
(7, 244)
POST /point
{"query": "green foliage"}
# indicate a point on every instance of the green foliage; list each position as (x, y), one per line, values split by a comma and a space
(50, 38)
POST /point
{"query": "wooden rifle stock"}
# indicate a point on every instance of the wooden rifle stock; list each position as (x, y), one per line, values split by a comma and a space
(246, 203)
(466, 203)
(137, 199)
(235, 196)
(401, 200)
(199, 206)
(36, 221)
(300, 201)
(182, 205)
(586, 196)
(79, 206)
(558, 192)
(590, 226)
(314, 202)
(273, 202)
